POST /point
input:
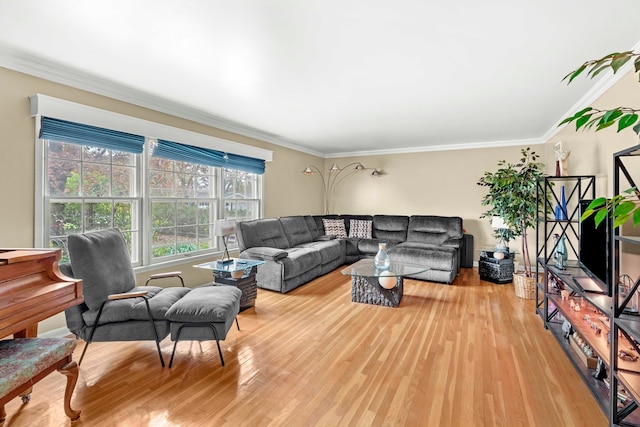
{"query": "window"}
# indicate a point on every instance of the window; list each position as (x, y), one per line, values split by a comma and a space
(91, 188)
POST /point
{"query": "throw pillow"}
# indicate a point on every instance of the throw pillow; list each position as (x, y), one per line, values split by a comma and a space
(360, 228)
(335, 227)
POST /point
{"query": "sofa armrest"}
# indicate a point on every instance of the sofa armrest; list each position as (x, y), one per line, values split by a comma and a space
(454, 243)
(323, 238)
(265, 253)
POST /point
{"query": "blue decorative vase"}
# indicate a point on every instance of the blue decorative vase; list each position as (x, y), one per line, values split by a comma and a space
(563, 201)
(381, 260)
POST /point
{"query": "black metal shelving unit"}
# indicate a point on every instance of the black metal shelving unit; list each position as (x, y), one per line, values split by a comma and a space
(625, 328)
(548, 196)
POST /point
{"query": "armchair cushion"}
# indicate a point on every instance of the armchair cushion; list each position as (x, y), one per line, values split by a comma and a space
(123, 310)
(101, 259)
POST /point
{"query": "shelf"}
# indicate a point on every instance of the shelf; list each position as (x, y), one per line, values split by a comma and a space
(631, 326)
(629, 239)
(598, 388)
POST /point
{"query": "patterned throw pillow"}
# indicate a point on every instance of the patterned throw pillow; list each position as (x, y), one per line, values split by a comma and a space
(335, 227)
(360, 228)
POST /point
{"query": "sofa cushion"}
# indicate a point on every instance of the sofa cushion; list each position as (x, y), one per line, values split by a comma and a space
(296, 230)
(370, 246)
(335, 227)
(261, 232)
(100, 279)
(441, 258)
(313, 227)
(264, 253)
(390, 227)
(329, 250)
(299, 261)
(360, 228)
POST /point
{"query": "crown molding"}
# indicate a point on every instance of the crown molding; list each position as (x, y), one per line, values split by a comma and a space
(443, 147)
(36, 66)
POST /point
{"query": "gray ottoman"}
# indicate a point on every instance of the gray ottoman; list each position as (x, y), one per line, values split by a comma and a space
(205, 313)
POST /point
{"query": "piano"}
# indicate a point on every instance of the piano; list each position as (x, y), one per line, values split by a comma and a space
(32, 288)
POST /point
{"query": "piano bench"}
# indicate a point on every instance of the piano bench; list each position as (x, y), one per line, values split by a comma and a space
(25, 361)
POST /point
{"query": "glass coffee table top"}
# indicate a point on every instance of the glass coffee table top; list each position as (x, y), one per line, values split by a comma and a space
(235, 264)
(366, 268)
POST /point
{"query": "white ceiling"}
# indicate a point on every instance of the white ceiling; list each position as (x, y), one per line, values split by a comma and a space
(330, 76)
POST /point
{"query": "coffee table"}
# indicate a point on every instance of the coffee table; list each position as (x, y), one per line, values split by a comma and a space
(365, 282)
(237, 272)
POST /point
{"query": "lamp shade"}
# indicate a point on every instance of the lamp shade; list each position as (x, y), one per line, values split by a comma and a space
(224, 227)
(498, 222)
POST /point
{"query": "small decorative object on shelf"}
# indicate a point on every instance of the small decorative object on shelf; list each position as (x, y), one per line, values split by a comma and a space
(560, 255)
(562, 159)
(381, 260)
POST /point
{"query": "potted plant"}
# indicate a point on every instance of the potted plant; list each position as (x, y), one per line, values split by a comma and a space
(512, 196)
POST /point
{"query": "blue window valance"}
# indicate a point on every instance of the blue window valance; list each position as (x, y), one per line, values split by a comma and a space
(206, 156)
(77, 133)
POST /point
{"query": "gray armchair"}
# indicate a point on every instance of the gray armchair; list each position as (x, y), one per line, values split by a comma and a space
(115, 309)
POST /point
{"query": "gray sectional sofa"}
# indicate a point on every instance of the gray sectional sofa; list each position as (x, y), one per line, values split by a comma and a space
(296, 249)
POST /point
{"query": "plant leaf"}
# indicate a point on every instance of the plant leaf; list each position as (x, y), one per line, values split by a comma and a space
(619, 220)
(619, 62)
(596, 203)
(600, 216)
(636, 128)
(624, 208)
(582, 120)
(626, 121)
(636, 217)
(572, 75)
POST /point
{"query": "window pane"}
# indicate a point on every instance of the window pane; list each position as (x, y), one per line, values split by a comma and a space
(163, 242)
(163, 214)
(205, 237)
(203, 186)
(160, 184)
(187, 239)
(95, 154)
(186, 213)
(60, 243)
(156, 163)
(65, 218)
(63, 150)
(64, 177)
(184, 185)
(123, 180)
(97, 216)
(122, 215)
(96, 180)
(123, 159)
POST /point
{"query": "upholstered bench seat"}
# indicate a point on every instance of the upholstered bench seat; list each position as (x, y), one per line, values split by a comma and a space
(205, 313)
(25, 361)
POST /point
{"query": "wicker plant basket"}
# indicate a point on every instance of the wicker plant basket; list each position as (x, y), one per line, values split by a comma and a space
(525, 286)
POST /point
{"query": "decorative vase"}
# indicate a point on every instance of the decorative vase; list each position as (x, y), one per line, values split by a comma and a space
(563, 201)
(387, 280)
(560, 254)
(381, 260)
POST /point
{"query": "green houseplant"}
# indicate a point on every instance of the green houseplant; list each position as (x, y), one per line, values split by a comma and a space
(512, 196)
(622, 207)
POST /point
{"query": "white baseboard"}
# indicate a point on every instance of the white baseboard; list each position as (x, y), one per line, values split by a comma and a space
(56, 333)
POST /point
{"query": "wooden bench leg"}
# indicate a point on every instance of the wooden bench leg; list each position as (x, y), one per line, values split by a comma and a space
(3, 414)
(70, 370)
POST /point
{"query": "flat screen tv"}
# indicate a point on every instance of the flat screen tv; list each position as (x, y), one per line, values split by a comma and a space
(595, 247)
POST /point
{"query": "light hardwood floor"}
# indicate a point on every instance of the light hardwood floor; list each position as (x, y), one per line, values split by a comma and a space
(471, 354)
